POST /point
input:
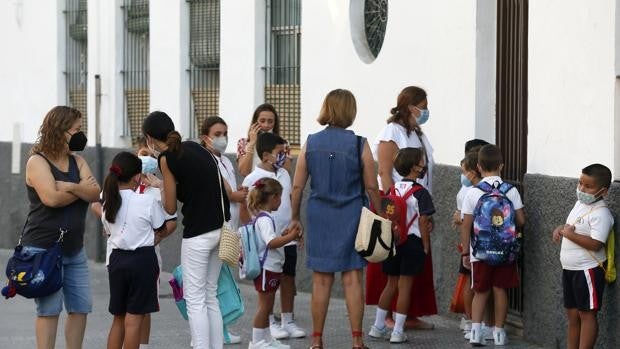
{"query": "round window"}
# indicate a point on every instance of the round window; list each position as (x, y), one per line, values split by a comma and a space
(368, 23)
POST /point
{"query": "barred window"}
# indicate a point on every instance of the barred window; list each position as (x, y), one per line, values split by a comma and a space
(135, 66)
(283, 53)
(76, 55)
(204, 54)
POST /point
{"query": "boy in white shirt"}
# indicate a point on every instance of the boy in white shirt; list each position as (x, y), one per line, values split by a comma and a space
(582, 255)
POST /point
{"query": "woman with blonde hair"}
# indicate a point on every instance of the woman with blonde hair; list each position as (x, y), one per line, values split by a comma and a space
(342, 172)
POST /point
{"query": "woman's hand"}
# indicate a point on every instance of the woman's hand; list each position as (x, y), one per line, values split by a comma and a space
(239, 195)
(65, 187)
(152, 181)
(253, 133)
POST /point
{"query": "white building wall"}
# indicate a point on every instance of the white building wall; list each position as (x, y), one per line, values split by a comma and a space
(571, 86)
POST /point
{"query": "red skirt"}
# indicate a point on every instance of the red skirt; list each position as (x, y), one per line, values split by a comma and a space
(423, 301)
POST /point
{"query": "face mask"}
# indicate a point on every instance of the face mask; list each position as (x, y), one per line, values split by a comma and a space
(423, 172)
(280, 160)
(77, 142)
(219, 143)
(152, 149)
(423, 118)
(149, 164)
(465, 181)
(586, 198)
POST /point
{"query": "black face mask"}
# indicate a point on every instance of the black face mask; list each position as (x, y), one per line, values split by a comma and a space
(423, 172)
(77, 142)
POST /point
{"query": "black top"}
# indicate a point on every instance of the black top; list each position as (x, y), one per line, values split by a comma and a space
(196, 172)
(43, 224)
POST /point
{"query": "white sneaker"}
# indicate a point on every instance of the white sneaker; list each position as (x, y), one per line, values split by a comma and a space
(258, 345)
(487, 333)
(398, 337)
(379, 333)
(476, 338)
(230, 338)
(467, 334)
(465, 324)
(277, 332)
(293, 330)
(499, 337)
(275, 344)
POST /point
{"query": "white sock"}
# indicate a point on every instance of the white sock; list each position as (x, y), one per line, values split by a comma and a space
(258, 334)
(267, 335)
(287, 318)
(380, 318)
(498, 329)
(475, 326)
(399, 322)
(272, 319)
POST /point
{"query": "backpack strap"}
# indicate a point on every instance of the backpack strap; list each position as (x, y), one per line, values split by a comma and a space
(504, 188)
(264, 214)
(485, 187)
(415, 187)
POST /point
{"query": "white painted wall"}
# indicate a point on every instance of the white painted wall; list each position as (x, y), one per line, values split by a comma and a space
(571, 86)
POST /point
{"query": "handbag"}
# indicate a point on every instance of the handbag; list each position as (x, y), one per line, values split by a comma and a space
(230, 246)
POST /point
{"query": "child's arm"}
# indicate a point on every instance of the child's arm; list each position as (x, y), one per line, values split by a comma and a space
(456, 219)
(557, 235)
(468, 220)
(169, 227)
(520, 218)
(425, 232)
(582, 240)
(286, 237)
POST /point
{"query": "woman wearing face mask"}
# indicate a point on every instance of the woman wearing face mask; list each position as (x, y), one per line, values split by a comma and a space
(60, 185)
(264, 119)
(404, 130)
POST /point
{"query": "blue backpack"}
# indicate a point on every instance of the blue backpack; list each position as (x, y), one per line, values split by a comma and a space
(494, 238)
(250, 264)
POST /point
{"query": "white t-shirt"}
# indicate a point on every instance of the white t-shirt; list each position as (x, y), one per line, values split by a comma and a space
(228, 172)
(283, 215)
(275, 256)
(419, 203)
(396, 133)
(474, 194)
(136, 220)
(594, 221)
(460, 196)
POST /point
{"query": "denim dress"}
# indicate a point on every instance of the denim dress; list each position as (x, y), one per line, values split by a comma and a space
(335, 200)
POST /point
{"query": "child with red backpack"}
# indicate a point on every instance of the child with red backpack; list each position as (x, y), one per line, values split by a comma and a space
(409, 205)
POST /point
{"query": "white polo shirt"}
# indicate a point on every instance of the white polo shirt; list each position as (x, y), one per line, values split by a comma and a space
(275, 256)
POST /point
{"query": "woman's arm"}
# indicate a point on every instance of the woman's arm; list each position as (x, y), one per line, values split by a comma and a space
(169, 199)
(87, 189)
(39, 176)
(245, 161)
(370, 179)
(299, 183)
(385, 155)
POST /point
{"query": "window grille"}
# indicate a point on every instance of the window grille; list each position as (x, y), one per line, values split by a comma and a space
(204, 54)
(511, 90)
(375, 22)
(76, 56)
(135, 66)
(283, 54)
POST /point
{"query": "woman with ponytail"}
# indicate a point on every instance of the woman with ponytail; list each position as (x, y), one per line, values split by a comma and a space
(132, 221)
(190, 174)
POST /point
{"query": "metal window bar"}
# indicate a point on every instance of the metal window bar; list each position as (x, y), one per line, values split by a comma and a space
(76, 55)
(511, 89)
(282, 70)
(135, 66)
(204, 71)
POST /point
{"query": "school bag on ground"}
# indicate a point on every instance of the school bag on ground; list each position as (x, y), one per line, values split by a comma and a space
(395, 209)
(494, 238)
(250, 263)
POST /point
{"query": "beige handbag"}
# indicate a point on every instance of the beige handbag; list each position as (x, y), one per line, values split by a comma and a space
(374, 240)
(230, 245)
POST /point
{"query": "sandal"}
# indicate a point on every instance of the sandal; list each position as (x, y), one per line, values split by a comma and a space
(358, 334)
(316, 346)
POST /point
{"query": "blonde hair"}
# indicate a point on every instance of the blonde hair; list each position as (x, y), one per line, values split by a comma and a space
(339, 109)
(262, 190)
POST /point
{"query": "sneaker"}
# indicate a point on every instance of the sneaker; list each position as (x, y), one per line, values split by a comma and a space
(467, 334)
(499, 337)
(258, 345)
(487, 333)
(293, 330)
(275, 344)
(277, 332)
(379, 333)
(465, 324)
(398, 337)
(476, 338)
(230, 338)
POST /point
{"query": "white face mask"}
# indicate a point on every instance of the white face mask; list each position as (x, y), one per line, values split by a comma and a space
(152, 149)
(219, 143)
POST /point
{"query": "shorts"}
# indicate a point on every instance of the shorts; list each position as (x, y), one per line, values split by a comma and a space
(409, 258)
(290, 260)
(485, 276)
(267, 281)
(133, 277)
(583, 289)
(75, 292)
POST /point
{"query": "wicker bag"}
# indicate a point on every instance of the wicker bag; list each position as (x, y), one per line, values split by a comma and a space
(230, 245)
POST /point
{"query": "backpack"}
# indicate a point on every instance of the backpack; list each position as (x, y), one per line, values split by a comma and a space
(494, 238)
(395, 208)
(250, 264)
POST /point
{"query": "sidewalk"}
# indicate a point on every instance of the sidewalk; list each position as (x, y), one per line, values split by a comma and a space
(170, 331)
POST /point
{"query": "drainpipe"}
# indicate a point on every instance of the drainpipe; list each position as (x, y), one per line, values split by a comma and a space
(100, 255)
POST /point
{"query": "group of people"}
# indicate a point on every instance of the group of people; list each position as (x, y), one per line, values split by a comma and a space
(138, 210)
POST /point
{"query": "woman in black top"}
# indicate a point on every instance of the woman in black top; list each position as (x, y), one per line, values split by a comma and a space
(191, 175)
(60, 185)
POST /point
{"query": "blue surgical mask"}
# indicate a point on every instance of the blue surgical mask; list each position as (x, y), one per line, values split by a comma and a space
(149, 164)
(280, 160)
(423, 118)
(465, 181)
(586, 198)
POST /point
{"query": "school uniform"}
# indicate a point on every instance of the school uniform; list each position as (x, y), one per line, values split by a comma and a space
(269, 280)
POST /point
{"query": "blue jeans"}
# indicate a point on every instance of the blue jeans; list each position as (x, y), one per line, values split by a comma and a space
(75, 291)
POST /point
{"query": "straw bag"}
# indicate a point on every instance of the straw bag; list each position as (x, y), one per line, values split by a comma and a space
(230, 246)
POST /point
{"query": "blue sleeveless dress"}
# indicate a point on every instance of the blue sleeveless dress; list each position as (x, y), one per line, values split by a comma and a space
(335, 200)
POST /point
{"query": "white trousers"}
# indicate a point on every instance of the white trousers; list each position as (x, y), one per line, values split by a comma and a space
(201, 271)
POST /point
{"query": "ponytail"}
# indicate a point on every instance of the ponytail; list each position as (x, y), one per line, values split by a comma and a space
(111, 197)
(173, 141)
(262, 189)
(125, 166)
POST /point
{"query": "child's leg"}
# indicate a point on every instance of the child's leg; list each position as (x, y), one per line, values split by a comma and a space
(260, 329)
(287, 282)
(589, 329)
(117, 332)
(468, 297)
(405, 283)
(132, 331)
(385, 301)
(489, 314)
(478, 305)
(500, 298)
(145, 329)
(574, 328)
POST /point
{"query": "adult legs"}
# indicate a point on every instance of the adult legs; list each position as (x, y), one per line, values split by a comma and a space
(319, 301)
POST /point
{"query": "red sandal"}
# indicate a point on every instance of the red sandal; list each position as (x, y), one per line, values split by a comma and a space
(317, 346)
(358, 334)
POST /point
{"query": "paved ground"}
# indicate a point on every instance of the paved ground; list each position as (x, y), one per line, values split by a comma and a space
(171, 331)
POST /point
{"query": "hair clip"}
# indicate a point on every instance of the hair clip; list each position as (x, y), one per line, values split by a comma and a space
(116, 170)
(258, 184)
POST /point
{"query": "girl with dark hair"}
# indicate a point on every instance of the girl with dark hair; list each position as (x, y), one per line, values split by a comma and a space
(132, 221)
(190, 174)
(264, 119)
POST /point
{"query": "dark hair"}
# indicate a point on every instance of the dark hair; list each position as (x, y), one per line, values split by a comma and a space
(406, 159)
(600, 173)
(267, 107)
(267, 142)
(490, 158)
(470, 161)
(261, 191)
(160, 126)
(474, 143)
(411, 95)
(208, 123)
(125, 166)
